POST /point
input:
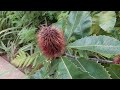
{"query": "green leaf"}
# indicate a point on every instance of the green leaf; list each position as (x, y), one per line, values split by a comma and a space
(3, 46)
(6, 30)
(95, 69)
(107, 20)
(114, 71)
(20, 59)
(43, 72)
(30, 60)
(99, 44)
(23, 59)
(53, 69)
(62, 71)
(62, 15)
(77, 23)
(27, 34)
(26, 47)
(80, 23)
(71, 71)
(40, 74)
(95, 28)
(26, 61)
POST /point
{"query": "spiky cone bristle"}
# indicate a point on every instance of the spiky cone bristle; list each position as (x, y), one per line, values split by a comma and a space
(51, 41)
(116, 60)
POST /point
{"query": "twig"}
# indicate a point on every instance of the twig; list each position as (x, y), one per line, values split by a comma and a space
(94, 59)
(71, 56)
(101, 60)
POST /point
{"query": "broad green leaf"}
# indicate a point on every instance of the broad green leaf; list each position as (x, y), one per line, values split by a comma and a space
(77, 23)
(80, 23)
(40, 74)
(85, 22)
(62, 71)
(53, 68)
(114, 71)
(43, 72)
(99, 44)
(71, 71)
(107, 20)
(95, 69)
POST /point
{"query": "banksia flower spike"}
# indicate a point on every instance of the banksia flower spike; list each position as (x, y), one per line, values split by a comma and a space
(51, 41)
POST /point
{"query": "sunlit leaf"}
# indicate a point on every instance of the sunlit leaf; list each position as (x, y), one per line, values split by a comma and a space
(99, 44)
(107, 20)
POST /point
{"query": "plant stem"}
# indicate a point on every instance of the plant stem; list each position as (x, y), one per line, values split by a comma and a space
(93, 59)
(101, 60)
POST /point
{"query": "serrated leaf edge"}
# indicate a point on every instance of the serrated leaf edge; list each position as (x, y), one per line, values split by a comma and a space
(105, 70)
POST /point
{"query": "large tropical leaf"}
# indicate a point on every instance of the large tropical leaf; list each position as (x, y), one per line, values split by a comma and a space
(99, 44)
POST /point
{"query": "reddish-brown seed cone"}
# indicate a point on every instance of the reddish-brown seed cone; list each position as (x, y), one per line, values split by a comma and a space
(116, 60)
(51, 41)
